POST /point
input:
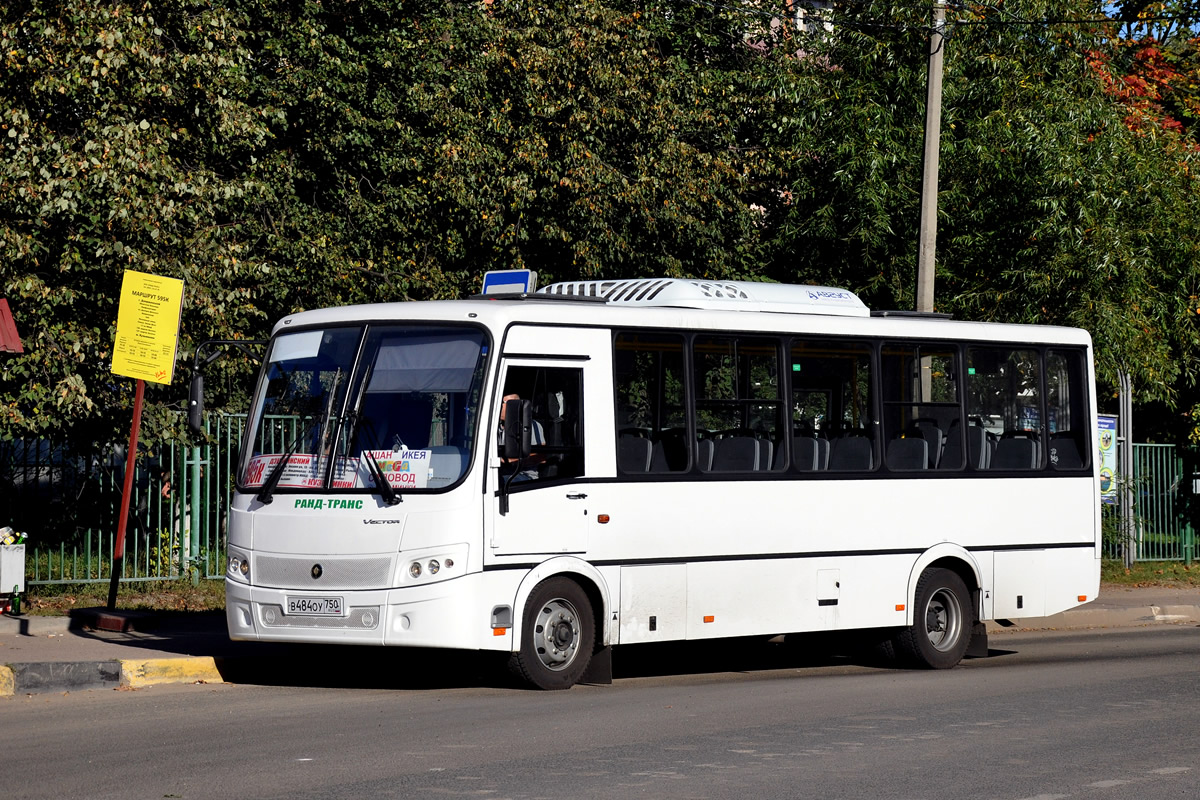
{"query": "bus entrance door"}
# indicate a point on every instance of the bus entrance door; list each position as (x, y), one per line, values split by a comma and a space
(540, 504)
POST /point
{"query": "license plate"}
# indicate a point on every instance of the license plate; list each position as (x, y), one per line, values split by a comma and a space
(315, 606)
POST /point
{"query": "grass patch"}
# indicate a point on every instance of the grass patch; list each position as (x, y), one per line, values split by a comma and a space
(180, 595)
(1150, 573)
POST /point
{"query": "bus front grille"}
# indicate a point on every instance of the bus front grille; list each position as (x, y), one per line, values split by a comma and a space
(322, 573)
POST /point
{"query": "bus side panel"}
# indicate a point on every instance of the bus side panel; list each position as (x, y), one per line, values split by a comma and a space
(1038, 583)
(653, 603)
(1020, 584)
(744, 598)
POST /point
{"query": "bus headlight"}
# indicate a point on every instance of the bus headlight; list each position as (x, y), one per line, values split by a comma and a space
(238, 568)
(431, 565)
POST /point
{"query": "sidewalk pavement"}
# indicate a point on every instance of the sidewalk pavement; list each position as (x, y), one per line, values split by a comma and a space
(98, 649)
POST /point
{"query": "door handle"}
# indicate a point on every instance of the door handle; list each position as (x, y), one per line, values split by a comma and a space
(577, 496)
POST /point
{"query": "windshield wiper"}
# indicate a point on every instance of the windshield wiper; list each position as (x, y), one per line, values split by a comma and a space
(268, 487)
(355, 422)
(386, 490)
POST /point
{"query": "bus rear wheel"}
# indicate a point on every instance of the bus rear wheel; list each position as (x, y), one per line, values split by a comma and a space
(942, 622)
(558, 633)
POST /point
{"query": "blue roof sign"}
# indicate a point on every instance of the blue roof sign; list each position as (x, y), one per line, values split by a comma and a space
(505, 281)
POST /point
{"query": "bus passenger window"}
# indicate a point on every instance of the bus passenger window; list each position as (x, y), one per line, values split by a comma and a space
(1004, 397)
(832, 426)
(1067, 410)
(739, 403)
(650, 412)
(921, 403)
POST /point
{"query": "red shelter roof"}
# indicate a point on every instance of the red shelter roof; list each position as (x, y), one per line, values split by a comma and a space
(10, 342)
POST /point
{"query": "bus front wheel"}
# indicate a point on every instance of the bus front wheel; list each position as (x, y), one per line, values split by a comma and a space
(942, 621)
(558, 633)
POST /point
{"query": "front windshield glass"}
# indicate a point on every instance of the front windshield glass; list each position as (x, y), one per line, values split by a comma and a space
(341, 405)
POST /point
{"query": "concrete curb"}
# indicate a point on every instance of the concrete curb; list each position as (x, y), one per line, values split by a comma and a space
(64, 676)
(33, 626)
(1133, 616)
(135, 673)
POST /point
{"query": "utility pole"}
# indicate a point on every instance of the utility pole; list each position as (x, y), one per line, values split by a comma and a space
(929, 180)
(1128, 507)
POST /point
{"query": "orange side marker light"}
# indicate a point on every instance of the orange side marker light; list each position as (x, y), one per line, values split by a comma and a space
(900, 606)
(1083, 598)
(602, 519)
(709, 618)
(499, 631)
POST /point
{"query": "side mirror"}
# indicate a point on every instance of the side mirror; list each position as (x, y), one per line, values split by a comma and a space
(196, 403)
(518, 422)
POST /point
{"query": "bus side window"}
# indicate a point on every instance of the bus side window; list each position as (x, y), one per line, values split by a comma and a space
(1067, 409)
(649, 383)
(556, 394)
(832, 426)
(1004, 397)
(921, 403)
(739, 403)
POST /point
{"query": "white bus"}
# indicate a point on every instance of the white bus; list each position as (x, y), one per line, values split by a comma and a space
(606, 463)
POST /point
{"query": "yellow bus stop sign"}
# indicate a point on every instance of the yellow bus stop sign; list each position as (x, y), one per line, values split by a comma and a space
(147, 327)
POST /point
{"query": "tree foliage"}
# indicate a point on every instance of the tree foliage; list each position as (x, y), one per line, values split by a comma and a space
(1051, 208)
(1154, 67)
(125, 132)
(282, 154)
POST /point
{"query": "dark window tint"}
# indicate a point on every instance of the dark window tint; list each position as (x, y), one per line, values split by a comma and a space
(1004, 398)
(832, 422)
(1067, 414)
(556, 394)
(650, 403)
(739, 403)
(922, 416)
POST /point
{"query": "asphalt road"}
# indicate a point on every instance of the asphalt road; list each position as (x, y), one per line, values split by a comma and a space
(1095, 714)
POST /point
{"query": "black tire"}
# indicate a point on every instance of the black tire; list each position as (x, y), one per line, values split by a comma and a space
(943, 618)
(558, 634)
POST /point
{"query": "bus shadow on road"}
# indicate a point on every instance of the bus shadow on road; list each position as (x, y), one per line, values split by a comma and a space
(759, 654)
(352, 667)
(748, 654)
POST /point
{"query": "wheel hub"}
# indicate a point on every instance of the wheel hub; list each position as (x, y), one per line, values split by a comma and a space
(935, 619)
(943, 620)
(556, 634)
(562, 635)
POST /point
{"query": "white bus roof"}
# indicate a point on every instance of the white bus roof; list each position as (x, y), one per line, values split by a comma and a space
(560, 307)
(722, 295)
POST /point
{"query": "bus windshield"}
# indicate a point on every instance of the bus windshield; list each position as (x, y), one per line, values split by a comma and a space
(339, 406)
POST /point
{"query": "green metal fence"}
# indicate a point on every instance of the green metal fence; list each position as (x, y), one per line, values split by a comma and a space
(1162, 491)
(1162, 485)
(69, 503)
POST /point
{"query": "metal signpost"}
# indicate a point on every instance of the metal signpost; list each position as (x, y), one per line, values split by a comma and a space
(146, 341)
